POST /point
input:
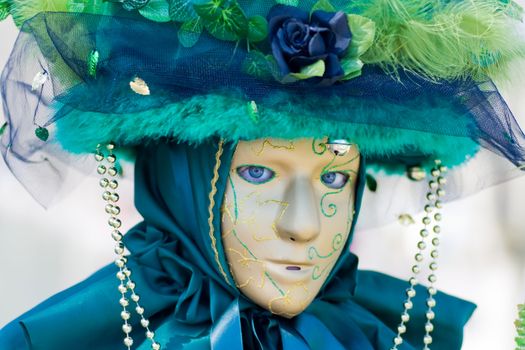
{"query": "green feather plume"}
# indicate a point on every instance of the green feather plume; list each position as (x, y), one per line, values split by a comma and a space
(443, 39)
(4, 9)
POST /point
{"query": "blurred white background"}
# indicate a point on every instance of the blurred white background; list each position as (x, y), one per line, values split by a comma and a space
(482, 250)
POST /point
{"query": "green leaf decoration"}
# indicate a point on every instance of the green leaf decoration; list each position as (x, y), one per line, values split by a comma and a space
(42, 133)
(190, 32)
(92, 63)
(156, 10)
(257, 65)
(363, 33)
(352, 67)
(101, 7)
(273, 66)
(323, 5)
(210, 9)
(2, 129)
(316, 69)
(130, 5)
(225, 21)
(181, 10)
(288, 2)
(4, 10)
(257, 29)
(371, 183)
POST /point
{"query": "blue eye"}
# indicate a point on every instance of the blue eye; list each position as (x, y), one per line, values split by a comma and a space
(334, 179)
(255, 174)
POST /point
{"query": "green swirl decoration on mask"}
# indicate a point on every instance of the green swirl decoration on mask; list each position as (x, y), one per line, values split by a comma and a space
(330, 167)
(331, 207)
(337, 243)
(316, 274)
(318, 147)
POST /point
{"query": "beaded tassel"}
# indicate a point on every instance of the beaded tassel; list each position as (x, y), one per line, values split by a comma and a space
(109, 183)
(434, 204)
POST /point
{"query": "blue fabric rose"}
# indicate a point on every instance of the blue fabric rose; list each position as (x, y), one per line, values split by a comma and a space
(299, 40)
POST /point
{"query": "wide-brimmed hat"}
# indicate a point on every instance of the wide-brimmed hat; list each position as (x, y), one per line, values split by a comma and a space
(409, 82)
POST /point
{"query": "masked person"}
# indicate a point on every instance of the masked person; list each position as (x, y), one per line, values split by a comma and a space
(256, 129)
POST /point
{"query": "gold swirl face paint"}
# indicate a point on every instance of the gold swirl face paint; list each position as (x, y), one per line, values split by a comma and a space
(286, 216)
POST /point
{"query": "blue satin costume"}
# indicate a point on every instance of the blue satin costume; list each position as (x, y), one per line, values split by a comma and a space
(188, 301)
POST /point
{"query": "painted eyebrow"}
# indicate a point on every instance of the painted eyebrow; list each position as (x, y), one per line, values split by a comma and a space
(259, 149)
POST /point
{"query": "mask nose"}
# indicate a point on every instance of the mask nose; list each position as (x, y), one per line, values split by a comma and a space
(300, 222)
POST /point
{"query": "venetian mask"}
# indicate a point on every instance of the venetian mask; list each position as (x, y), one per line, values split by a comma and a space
(286, 216)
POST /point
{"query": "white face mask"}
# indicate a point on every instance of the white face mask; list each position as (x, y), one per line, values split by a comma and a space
(286, 216)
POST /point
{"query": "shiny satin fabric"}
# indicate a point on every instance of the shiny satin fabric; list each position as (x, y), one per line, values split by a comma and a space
(192, 305)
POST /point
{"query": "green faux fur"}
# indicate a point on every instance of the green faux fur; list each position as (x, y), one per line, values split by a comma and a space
(203, 116)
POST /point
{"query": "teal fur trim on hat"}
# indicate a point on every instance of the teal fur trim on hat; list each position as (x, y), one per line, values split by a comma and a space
(200, 117)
